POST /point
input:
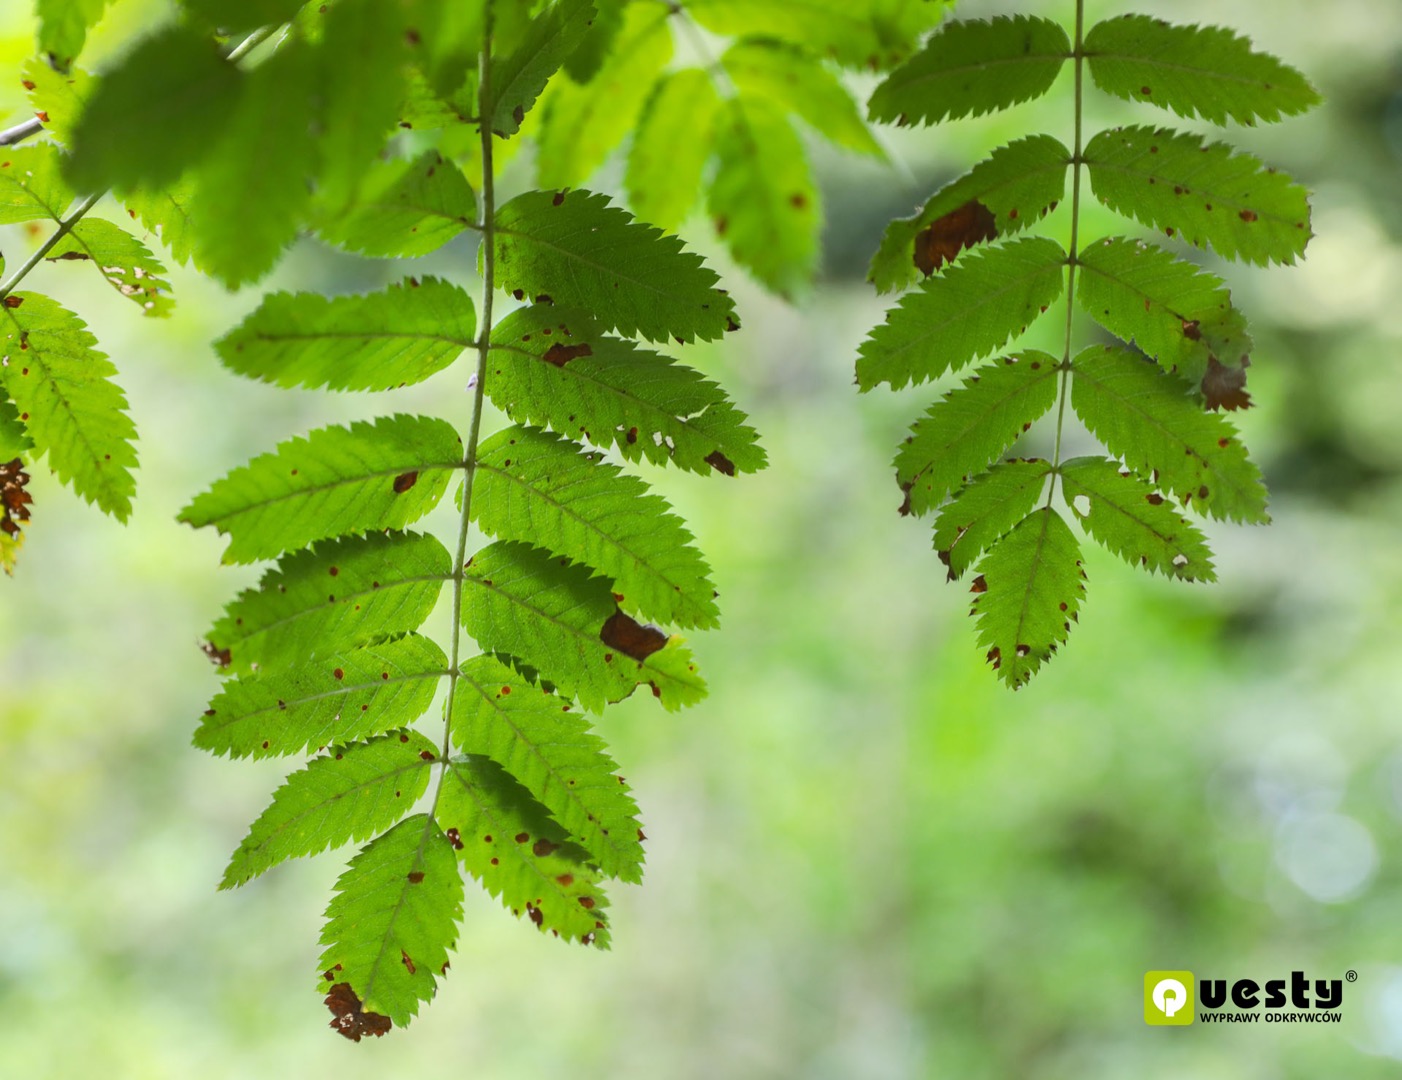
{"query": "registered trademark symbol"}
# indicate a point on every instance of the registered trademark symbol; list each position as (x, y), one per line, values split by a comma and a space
(1351, 975)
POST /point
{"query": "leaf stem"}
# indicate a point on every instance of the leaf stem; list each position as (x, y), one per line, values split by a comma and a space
(1078, 54)
(20, 131)
(486, 212)
(64, 228)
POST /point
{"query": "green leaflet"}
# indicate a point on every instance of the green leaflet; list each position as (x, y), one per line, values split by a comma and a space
(1206, 71)
(1202, 191)
(393, 919)
(857, 34)
(445, 37)
(554, 367)
(177, 74)
(525, 602)
(242, 15)
(13, 440)
(58, 95)
(1016, 185)
(249, 193)
(32, 187)
(124, 262)
(1144, 415)
(381, 341)
(1178, 314)
(535, 487)
(582, 124)
(166, 212)
(974, 67)
(553, 753)
(763, 199)
(332, 699)
(518, 77)
(671, 148)
(333, 596)
(349, 793)
(596, 43)
(70, 406)
(510, 843)
(582, 252)
(967, 311)
(360, 81)
(960, 435)
(1128, 517)
(985, 509)
(788, 78)
(1028, 591)
(404, 208)
(336, 480)
(64, 26)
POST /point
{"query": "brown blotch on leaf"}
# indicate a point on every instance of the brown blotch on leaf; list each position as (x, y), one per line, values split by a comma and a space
(938, 244)
(542, 847)
(586, 901)
(558, 199)
(13, 301)
(722, 464)
(630, 637)
(1191, 330)
(1247, 215)
(1225, 387)
(979, 585)
(522, 837)
(14, 500)
(454, 838)
(561, 354)
(404, 481)
(415, 877)
(222, 657)
(348, 1017)
(407, 961)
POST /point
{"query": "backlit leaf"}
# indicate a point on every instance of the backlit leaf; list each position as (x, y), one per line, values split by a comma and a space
(985, 509)
(519, 76)
(404, 208)
(671, 148)
(124, 262)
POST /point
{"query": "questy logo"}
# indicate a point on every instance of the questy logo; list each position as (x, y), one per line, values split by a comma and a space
(1168, 998)
(1172, 998)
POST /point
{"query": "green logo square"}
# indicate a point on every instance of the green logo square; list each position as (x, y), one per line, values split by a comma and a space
(1169, 998)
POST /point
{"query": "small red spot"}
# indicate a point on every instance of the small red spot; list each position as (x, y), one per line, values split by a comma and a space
(339, 673)
(415, 876)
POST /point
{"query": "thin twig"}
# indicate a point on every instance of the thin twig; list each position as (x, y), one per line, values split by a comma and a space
(21, 131)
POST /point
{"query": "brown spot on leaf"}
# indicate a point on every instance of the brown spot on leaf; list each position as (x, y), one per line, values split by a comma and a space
(222, 657)
(542, 848)
(1225, 387)
(415, 877)
(522, 837)
(535, 914)
(454, 838)
(561, 354)
(630, 637)
(558, 199)
(947, 236)
(404, 481)
(1191, 330)
(14, 499)
(722, 464)
(1247, 215)
(586, 901)
(348, 1019)
(980, 585)
(13, 301)
(408, 963)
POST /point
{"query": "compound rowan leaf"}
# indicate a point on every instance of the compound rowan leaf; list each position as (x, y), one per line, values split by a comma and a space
(1206, 71)
(788, 78)
(1181, 316)
(331, 597)
(349, 793)
(528, 603)
(510, 843)
(973, 67)
(671, 148)
(998, 197)
(763, 199)
(966, 311)
(72, 410)
(334, 481)
(1127, 516)
(393, 920)
(1146, 417)
(124, 262)
(552, 752)
(404, 208)
(581, 125)
(1200, 191)
(519, 76)
(333, 698)
(177, 73)
(581, 252)
(1028, 592)
(959, 435)
(379, 341)
(985, 509)
(535, 487)
(555, 367)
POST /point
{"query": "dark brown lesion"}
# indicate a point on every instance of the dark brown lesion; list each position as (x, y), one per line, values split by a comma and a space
(945, 237)
(349, 1019)
(14, 499)
(630, 637)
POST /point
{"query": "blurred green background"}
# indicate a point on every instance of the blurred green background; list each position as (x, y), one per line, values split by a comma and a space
(866, 859)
